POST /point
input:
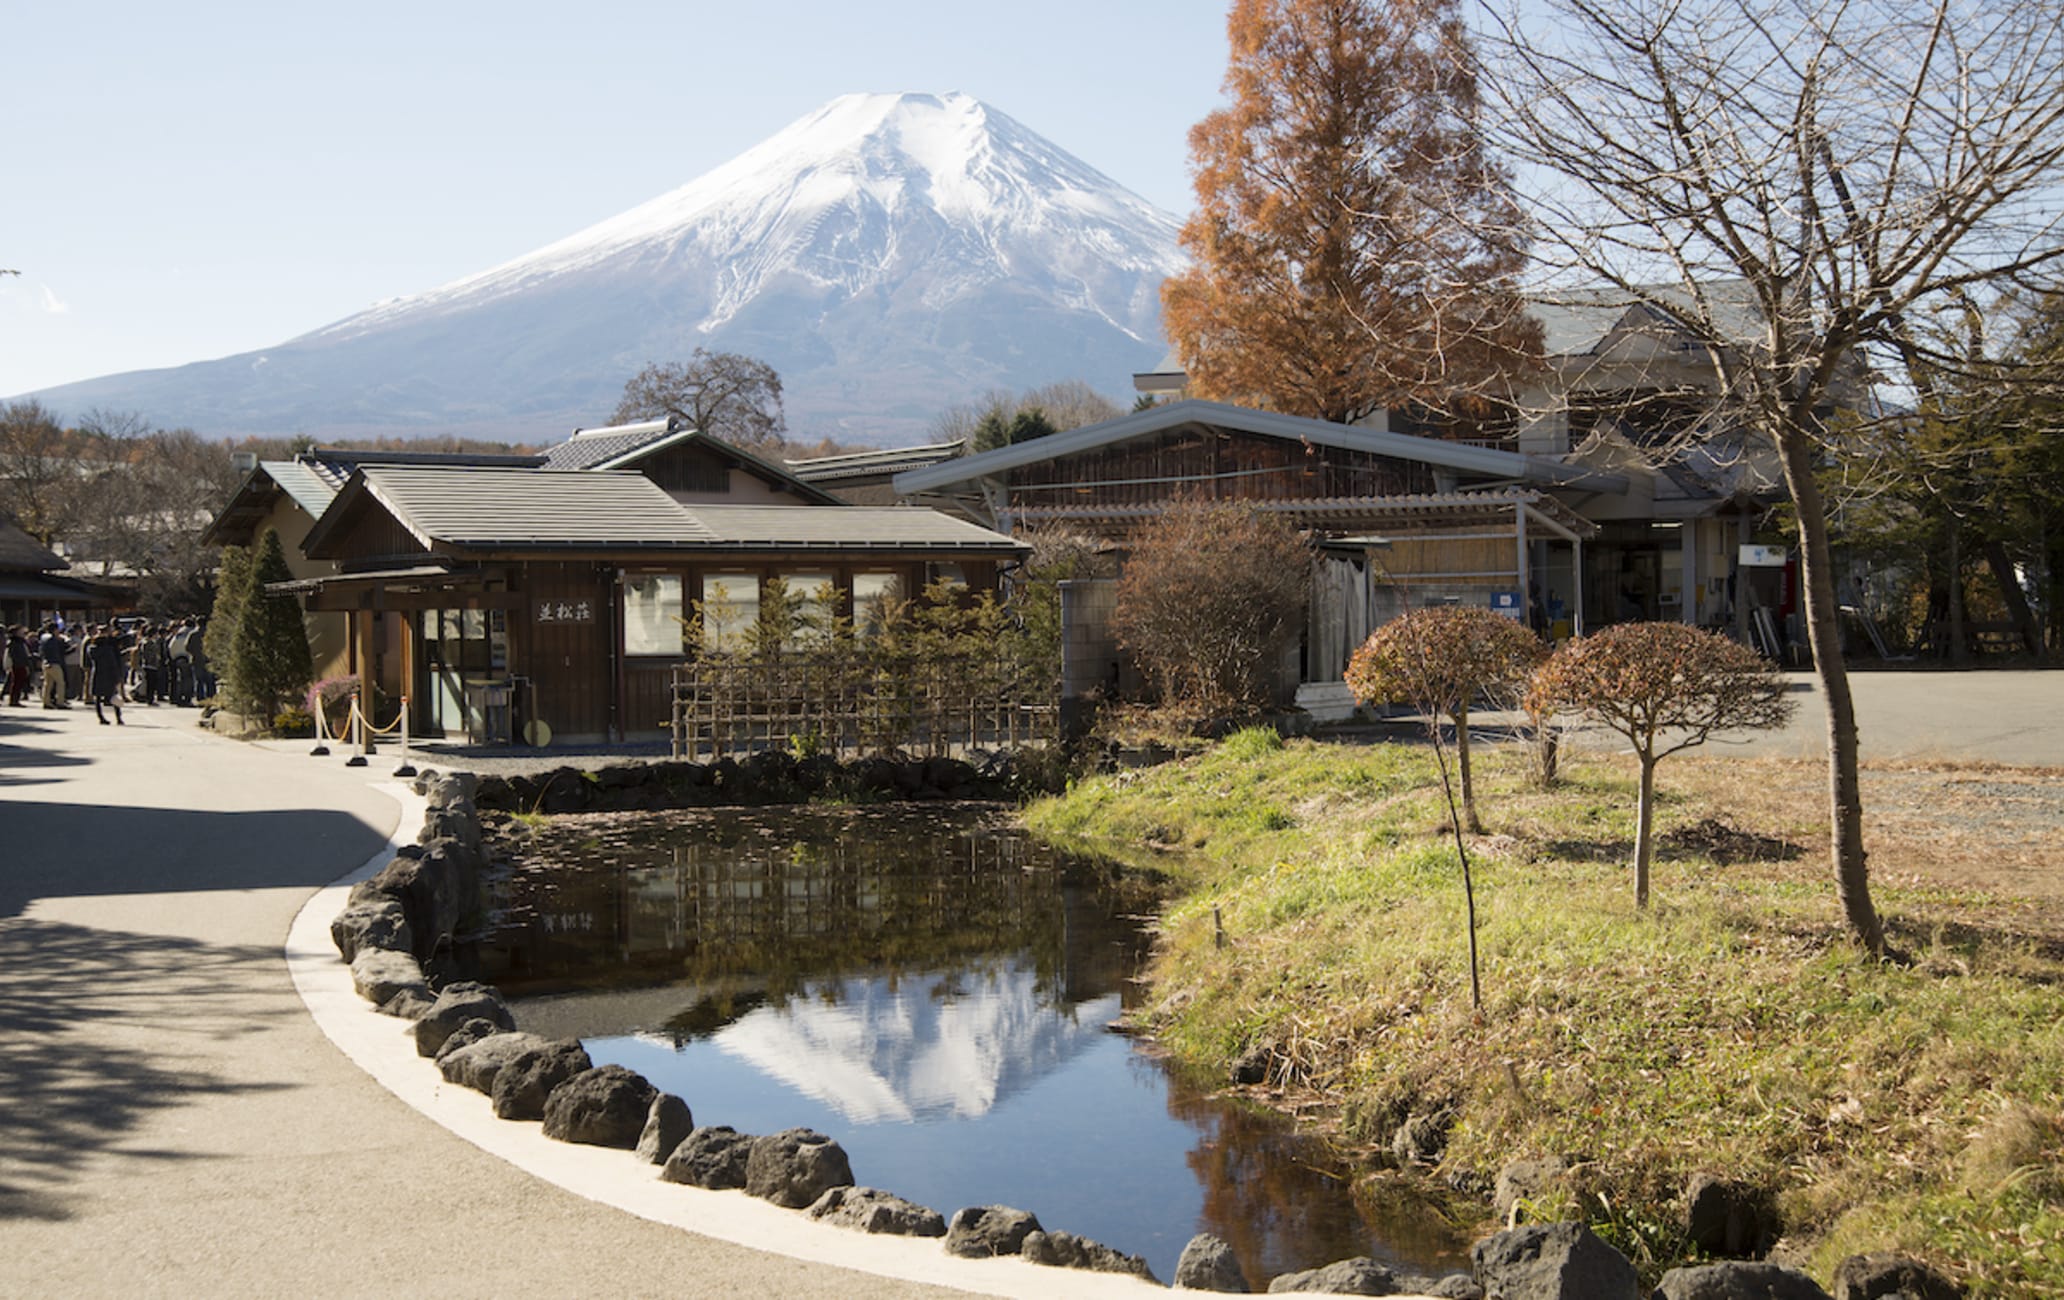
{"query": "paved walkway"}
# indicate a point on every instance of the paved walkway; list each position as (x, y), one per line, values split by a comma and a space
(171, 1121)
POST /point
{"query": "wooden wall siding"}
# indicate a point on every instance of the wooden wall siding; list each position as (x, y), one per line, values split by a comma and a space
(567, 662)
(688, 469)
(648, 698)
(375, 534)
(1227, 467)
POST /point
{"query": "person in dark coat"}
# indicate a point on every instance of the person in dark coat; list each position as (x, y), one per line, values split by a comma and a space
(104, 673)
(19, 659)
(51, 651)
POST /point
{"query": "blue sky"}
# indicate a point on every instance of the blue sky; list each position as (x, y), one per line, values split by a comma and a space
(183, 182)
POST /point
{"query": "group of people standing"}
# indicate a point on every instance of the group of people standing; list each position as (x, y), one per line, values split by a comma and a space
(109, 664)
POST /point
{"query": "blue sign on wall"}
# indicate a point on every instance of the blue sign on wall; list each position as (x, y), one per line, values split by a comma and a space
(1508, 604)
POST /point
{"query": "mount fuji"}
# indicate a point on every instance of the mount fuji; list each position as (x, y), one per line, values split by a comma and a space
(888, 255)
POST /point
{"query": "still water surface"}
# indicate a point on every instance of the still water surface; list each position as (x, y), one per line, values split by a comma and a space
(935, 989)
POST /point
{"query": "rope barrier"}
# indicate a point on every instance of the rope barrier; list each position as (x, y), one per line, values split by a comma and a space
(362, 732)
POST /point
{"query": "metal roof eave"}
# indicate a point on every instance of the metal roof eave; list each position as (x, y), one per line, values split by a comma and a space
(1219, 415)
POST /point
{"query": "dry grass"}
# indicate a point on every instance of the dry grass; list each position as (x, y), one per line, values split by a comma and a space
(1730, 1028)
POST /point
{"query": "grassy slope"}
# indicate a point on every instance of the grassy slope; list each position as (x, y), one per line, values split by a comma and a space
(1730, 1030)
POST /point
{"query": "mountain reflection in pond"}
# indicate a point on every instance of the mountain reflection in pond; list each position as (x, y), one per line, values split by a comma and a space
(932, 987)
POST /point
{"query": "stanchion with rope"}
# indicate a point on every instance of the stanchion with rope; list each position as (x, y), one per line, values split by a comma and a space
(405, 768)
(322, 732)
(366, 732)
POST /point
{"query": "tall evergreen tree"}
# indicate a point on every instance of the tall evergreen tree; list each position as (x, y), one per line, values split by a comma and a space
(269, 661)
(232, 590)
(1355, 247)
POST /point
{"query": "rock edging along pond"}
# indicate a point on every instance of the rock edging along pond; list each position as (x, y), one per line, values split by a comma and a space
(396, 922)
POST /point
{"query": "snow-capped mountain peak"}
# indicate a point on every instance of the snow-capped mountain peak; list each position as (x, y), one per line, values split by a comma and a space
(888, 254)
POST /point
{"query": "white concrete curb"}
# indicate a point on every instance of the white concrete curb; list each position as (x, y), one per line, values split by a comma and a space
(383, 1047)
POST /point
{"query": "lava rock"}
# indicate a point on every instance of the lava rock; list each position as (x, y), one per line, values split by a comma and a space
(794, 1167)
(1723, 1218)
(1886, 1275)
(1066, 1250)
(476, 1065)
(527, 1079)
(378, 974)
(1421, 1139)
(667, 1123)
(1252, 1067)
(409, 1004)
(986, 1231)
(1453, 1286)
(455, 1005)
(1359, 1276)
(603, 1107)
(376, 923)
(710, 1157)
(468, 1034)
(1526, 1180)
(1207, 1264)
(1554, 1261)
(868, 1209)
(1738, 1280)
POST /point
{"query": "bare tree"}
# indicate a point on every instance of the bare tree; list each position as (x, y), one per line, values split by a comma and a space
(44, 483)
(724, 394)
(1666, 687)
(1793, 180)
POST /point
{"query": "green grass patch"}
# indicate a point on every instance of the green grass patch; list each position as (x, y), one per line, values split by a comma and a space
(1728, 1029)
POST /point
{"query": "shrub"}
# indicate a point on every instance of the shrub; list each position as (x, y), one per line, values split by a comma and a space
(1210, 594)
(1665, 687)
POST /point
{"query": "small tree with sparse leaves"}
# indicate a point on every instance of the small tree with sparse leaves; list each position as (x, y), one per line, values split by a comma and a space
(1441, 661)
(1665, 687)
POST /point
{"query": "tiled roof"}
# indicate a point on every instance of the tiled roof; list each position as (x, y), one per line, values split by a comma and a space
(528, 509)
(312, 484)
(459, 509)
(870, 528)
(588, 448)
(21, 553)
(868, 464)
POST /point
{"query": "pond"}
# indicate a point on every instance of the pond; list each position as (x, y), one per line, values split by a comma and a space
(935, 989)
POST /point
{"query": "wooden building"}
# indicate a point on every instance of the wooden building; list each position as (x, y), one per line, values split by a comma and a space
(1400, 519)
(565, 593)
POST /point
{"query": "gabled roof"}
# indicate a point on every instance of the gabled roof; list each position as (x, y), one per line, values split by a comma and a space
(868, 464)
(457, 509)
(313, 478)
(848, 528)
(460, 510)
(21, 553)
(1481, 461)
(604, 447)
(1582, 322)
(622, 446)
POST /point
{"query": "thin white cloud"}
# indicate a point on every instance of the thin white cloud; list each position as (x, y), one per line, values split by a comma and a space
(53, 304)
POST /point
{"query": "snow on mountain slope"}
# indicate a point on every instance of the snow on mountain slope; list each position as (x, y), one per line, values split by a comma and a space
(888, 254)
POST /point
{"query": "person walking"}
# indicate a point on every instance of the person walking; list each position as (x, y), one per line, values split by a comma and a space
(150, 661)
(75, 662)
(180, 655)
(51, 650)
(104, 673)
(18, 659)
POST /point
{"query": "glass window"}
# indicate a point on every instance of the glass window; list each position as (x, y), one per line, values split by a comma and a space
(874, 594)
(817, 605)
(730, 605)
(652, 614)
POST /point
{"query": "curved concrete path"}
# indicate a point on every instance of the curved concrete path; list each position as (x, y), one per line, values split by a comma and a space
(171, 1120)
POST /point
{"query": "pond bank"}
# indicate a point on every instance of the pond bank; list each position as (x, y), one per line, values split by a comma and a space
(1728, 1031)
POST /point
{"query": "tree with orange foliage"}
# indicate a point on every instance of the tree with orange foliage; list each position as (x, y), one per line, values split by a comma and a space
(1356, 249)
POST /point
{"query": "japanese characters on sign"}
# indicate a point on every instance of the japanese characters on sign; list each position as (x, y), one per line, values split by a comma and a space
(565, 611)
